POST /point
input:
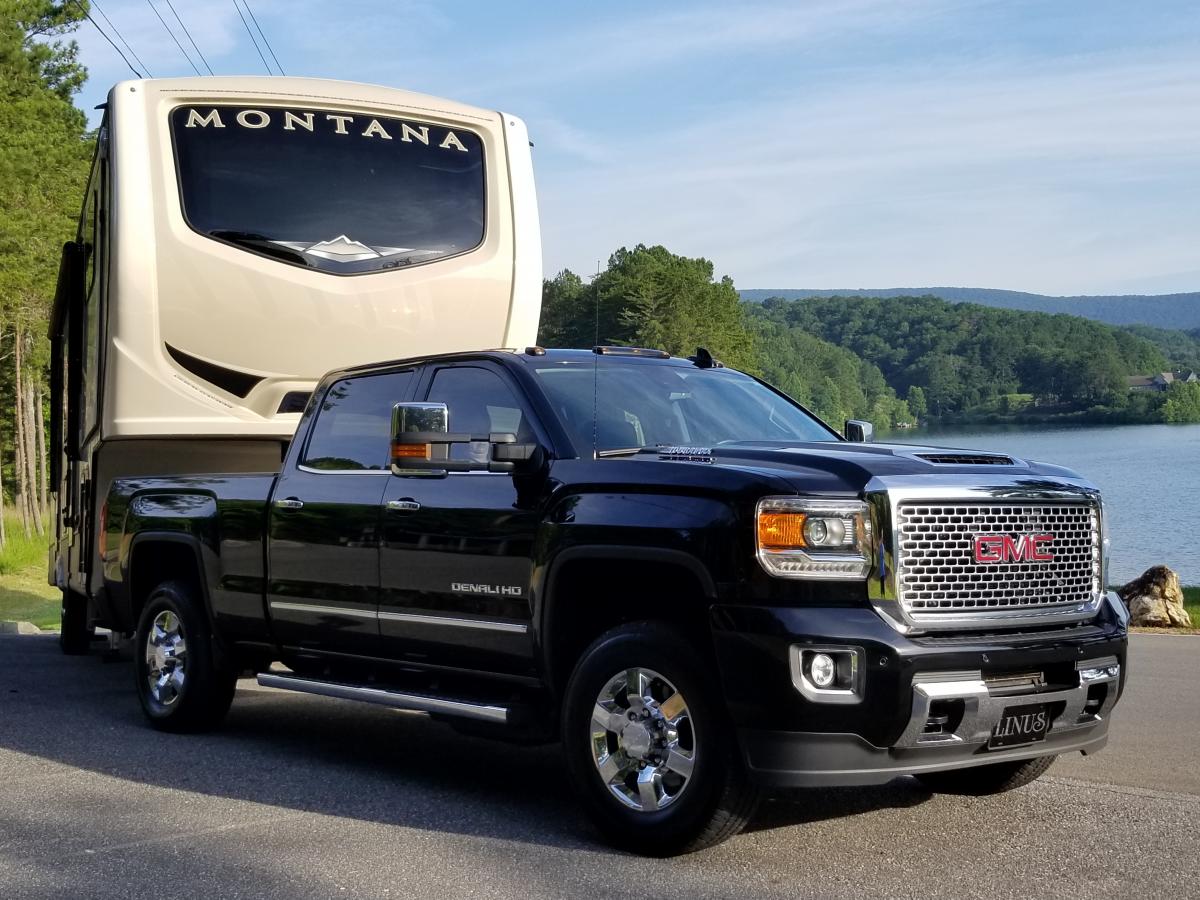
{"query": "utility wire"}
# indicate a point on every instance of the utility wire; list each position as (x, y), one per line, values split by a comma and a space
(172, 34)
(121, 38)
(254, 19)
(252, 40)
(189, 37)
(107, 38)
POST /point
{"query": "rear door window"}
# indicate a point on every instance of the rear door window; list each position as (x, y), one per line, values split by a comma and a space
(337, 191)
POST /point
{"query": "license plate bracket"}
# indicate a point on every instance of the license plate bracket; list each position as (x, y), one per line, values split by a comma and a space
(1020, 725)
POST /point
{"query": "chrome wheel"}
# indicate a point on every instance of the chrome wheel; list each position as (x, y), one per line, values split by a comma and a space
(166, 658)
(643, 742)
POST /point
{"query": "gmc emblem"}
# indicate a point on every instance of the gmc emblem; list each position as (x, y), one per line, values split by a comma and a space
(1000, 548)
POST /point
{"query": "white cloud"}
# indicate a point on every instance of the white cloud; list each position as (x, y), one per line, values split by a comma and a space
(1043, 178)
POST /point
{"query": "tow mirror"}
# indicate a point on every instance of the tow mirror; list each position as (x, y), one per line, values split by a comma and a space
(859, 431)
(422, 445)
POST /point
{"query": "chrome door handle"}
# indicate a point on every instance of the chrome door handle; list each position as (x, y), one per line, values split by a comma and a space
(290, 503)
(404, 505)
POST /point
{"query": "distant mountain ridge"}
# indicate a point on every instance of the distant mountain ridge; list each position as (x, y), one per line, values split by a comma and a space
(1173, 311)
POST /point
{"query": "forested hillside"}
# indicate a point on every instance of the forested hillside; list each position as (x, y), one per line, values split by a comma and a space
(1159, 310)
(967, 359)
(44, 157)
(894, 361)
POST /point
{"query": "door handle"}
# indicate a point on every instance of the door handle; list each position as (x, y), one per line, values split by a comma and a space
(290, 503)
(405, 505)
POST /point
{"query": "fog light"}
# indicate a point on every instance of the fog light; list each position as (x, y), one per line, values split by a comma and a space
(827, 674)
(822, 670)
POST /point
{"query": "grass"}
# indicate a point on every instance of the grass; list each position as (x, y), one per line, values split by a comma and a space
(24, 594)
(1191, 602)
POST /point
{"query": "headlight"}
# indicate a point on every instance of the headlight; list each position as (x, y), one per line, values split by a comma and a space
(800, 538)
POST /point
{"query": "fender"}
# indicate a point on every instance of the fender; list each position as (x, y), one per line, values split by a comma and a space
(184, 519)
(545, 587)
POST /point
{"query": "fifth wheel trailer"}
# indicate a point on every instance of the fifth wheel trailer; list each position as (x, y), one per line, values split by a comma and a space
(238, 238)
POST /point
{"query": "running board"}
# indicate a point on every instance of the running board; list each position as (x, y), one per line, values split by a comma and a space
(395, 699)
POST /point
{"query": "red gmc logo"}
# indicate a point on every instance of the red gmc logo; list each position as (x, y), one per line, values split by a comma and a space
(1000, 548)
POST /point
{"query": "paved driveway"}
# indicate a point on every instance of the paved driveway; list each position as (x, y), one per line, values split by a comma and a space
(305, 797)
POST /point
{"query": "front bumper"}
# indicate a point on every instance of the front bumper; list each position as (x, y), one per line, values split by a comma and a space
(927, 703)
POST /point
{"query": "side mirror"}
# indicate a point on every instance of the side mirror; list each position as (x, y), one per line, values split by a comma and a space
(422, 445)
(859, 431)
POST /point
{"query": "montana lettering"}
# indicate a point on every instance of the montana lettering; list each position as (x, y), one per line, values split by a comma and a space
(335, 123)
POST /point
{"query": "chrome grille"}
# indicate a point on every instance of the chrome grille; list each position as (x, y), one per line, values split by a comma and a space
(937, 572)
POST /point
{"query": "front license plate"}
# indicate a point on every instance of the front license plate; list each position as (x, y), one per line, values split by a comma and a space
(1021, 725)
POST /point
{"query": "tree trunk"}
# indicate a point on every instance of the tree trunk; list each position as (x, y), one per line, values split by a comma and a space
(20, 495)
(31, 458)
(43, 464)
(3, 535)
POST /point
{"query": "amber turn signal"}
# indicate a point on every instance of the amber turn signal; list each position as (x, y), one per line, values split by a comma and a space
(410, 451)
(781, 530)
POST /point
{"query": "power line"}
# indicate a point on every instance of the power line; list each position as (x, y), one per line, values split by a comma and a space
(254, 19)
(189, 37)
(172, 34)
(252, 40)
(107, 38)
(121, 38)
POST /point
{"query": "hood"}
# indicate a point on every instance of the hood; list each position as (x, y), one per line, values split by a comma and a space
(843, 467)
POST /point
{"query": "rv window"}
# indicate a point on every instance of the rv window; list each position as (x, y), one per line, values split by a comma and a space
(353, 427)
(341, 192)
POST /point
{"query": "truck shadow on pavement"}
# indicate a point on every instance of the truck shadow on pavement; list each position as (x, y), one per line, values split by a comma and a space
(328, 757)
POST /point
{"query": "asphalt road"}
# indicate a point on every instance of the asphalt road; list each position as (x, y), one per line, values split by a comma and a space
(307, 797)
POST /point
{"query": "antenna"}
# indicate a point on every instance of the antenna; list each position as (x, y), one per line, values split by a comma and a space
(596, 367)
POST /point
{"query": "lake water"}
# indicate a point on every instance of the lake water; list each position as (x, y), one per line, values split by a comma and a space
(1149, 474)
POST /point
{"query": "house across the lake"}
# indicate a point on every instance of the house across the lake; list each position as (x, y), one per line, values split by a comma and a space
(1160, 381)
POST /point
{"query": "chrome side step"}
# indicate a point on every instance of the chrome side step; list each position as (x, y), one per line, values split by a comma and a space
(395, 699)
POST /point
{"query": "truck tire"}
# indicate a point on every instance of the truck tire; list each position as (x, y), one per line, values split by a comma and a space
(179, 682)
(74, 636)
(980, 781)
(649, 746)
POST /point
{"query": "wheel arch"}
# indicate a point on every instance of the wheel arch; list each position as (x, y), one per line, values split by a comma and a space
(159, 556)
(578, 602)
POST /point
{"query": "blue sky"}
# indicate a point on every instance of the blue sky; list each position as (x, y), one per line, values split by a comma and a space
(1042, 146)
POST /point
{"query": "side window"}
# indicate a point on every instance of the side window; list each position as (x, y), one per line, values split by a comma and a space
(478, 402)
(353, 426)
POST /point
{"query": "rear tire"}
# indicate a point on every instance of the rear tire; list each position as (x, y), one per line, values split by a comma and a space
(179, 682)
(662, 777)
(74, 636)
(981, 781)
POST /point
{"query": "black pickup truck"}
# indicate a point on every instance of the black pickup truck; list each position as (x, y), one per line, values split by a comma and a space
(699, 587)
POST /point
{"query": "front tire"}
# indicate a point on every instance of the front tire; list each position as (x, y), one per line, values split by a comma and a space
(980, 781)
(649, 746)
(179, 682)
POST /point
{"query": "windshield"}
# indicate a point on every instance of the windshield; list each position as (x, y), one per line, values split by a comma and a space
(639, 405)
(342, 192)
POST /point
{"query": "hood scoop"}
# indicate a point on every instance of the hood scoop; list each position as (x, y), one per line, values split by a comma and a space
(966, 459)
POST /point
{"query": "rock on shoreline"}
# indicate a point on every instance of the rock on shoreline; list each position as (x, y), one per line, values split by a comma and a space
(1155, 600)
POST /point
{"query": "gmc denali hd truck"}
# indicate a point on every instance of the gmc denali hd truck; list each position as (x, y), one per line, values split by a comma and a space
(697, 586)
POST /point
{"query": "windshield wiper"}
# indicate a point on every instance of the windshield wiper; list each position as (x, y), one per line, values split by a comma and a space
(261, 243)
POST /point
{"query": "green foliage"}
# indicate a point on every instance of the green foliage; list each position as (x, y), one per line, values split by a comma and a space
(964, 358)
(1182, 403)
(44, 160)
(649, 297)
(916, 402)
(1181, 348)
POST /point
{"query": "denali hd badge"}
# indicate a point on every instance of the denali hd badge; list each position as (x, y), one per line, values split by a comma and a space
(503, 590)
(1002, 548)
